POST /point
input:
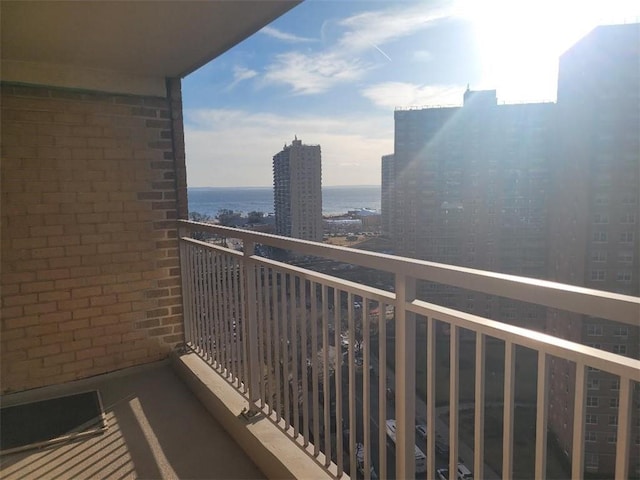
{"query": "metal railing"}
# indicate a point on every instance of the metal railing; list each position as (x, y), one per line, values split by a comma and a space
(277, 332)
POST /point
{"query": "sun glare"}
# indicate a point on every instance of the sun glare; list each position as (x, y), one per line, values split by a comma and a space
(520, 41)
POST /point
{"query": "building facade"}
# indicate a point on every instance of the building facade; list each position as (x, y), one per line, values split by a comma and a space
(595, 225)
(297, 191)
(386, 194)
(470, 189)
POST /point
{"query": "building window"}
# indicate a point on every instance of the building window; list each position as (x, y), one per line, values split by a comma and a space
(598, 275)
(599, 256)
(614, 402)
(591, 461)
(623, 277)
(590, 437)
(620, 349)
(591, 419)
(600, 237)
(615, 384)
(626, 237)
(593, 402)
(593, 384)
(600, 218)
(594, 330)
(613, 420)
(612, 437)
(621, 332)
(628, 218)
(625, 257)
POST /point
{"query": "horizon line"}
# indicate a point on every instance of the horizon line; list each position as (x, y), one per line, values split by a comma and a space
(271, 186)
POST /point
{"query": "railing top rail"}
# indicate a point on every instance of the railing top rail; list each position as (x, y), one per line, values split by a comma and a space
(612, 306)
(582, 354)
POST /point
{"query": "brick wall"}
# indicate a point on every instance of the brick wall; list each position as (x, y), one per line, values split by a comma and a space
(91, 186)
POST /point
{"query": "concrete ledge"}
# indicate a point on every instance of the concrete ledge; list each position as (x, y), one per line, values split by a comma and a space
(273, 452)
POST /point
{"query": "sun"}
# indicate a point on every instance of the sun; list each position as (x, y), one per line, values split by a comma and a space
(520, 41)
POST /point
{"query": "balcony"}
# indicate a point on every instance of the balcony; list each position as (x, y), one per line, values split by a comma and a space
(100, 279)
(274, 331)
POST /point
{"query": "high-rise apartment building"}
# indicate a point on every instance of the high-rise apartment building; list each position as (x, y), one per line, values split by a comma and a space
(386, 195)
(297, 191)
(470, 189)
(540, 190)
(595, 225)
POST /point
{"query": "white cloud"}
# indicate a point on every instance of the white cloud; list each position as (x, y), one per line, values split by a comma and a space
(316, 73)
(287, 37)
(240, 74)
(373, 29)
(344, 59)
(234, 147)
(400, 94)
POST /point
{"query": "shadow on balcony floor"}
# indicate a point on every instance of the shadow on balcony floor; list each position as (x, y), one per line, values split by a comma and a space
(157, 429)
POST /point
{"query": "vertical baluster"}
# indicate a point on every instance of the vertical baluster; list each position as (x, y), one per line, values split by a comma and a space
(624, 426)
(209, 304)
(198, 302)
(577, 455)
(219, 313)
(454, 364)
(277, 343)
(478, 443)
(542, 409)
(285, 311)
(326, 387)
(405, 378)
(366, 388)
(431, 394)
(234, 320)
(509, 391)
(268, 323)
(243, 324)
(294, 353)
(187, 294)
(337, 320)
(261, 324)
(225, 315)
(352, 385)
(314, 369)
(382, 393)
(252, 327)
(304, 319)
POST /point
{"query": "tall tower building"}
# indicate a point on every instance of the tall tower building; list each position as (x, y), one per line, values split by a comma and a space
(594, 225)
(297, 191)
(386, 194)
(470, 188)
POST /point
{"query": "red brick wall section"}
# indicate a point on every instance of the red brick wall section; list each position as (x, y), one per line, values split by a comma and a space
(90, 268)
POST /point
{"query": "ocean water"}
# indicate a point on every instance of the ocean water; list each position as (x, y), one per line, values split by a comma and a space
(335, 200)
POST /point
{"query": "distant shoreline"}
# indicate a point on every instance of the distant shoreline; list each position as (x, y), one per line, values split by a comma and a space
(271, 186)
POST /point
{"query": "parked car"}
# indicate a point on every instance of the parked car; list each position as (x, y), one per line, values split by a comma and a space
(443, 473)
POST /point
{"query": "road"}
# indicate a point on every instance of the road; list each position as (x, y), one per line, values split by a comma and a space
(464, 451)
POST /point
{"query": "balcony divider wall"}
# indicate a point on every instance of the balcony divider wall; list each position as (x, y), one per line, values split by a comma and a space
(92, 184)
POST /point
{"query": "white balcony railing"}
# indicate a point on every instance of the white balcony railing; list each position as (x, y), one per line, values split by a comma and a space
(275, 330)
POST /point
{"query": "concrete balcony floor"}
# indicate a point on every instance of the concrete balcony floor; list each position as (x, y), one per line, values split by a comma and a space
(157, 429)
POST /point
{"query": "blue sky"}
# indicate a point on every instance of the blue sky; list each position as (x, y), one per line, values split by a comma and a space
(332, 72)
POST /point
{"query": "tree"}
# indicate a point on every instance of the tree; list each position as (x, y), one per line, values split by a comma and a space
(228, 217)
(200, 217)
(203, 218)
(255, 217)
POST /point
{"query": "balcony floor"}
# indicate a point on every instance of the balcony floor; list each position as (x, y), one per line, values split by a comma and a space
(157, 429)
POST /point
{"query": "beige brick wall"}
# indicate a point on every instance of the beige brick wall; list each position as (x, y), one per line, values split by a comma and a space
(90, 268)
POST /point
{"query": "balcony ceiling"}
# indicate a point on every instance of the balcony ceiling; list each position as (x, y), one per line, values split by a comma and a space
(142, 38)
